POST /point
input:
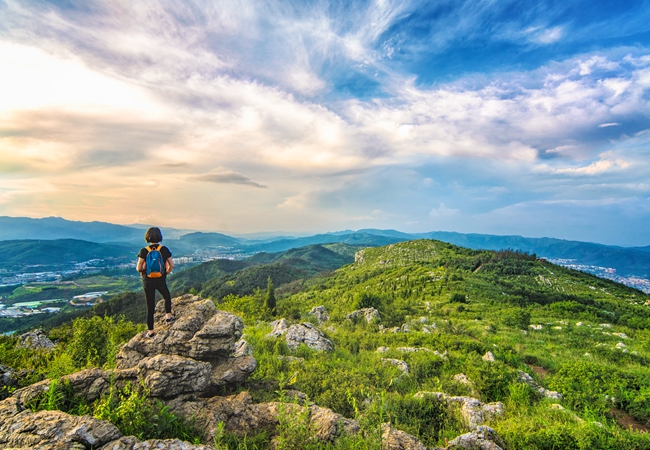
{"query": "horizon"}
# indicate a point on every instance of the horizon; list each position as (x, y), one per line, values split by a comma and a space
(297, 235)
(314, 116)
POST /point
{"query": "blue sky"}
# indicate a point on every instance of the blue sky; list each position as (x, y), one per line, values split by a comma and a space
(501, 117)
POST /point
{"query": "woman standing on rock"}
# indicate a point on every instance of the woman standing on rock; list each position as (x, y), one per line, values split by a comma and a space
(154, 263)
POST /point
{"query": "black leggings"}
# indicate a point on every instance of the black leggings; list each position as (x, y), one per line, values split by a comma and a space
(150, 287)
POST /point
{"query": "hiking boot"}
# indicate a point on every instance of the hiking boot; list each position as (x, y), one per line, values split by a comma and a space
(170, 319)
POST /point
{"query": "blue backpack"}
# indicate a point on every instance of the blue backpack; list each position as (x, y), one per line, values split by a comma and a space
(155, 263)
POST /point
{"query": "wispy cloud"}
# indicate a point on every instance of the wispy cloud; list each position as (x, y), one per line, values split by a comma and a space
(227, 177)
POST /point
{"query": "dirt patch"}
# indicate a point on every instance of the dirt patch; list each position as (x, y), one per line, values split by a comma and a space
(540, 371)
(626, 421)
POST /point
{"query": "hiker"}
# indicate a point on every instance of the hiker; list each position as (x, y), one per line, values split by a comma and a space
(154, 263)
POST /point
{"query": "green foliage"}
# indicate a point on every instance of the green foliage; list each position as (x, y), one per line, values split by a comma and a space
(135, 414)
(517, 318)
(457, 297)
(269, 299)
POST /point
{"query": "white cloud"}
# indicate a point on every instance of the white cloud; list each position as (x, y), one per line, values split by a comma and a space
(443, 211)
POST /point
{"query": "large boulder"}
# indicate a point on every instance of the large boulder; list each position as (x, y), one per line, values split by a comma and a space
(306, 333)
(197, 353)
(394, 439)
(54, 430)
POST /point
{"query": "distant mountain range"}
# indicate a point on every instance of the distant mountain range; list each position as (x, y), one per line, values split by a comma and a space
(626, 261)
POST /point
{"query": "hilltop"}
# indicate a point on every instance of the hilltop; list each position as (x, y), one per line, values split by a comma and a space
(435, 339)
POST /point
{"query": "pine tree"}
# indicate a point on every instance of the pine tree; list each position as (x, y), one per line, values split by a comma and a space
(270, 296)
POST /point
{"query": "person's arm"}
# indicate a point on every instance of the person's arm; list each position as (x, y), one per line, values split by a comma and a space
(169, 263)
(140, 265)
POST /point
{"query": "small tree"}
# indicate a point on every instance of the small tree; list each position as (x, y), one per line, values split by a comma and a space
(270, 296)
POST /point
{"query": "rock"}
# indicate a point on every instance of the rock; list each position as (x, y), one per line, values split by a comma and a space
(463, 379)
(132, 443)
(525, 378)
(55, 430)
(414, 349)
(329, 425)
(605, 325)
(392, 439)
(484, 438)
(7, 377)
(535, 327)
(621, 335)
(368, 314)
(279, 326)
(307, 334)
(489, 357)
(197, 353)
(35, 340)
(242, 348)
(406, 328)
(620, 345)
(320, 313)
(382, 349)
(172, 375)
(401, 365)
(474, 412)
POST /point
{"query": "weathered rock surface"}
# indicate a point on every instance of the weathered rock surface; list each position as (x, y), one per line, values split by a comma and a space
(368, 314)
(306, 333)
(53, 430)
(241, 416)
(279, 326)
(35, 339)
(401, 365)
(7, 376)
(484, 438)
(393, 439)
(198, 353)
(525, 378)
(132, 443)
(474, 412)
(320, 313)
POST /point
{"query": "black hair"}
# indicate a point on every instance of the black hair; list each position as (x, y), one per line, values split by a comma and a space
(153, 234)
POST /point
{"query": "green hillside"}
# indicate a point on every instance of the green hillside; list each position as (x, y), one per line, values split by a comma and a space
(442, 309)
(59, 252)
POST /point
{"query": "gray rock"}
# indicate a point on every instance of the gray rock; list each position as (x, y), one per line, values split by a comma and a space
(172, 375)
(309, 335)
(35, 340)
(401, 365)
(7, 376)
(489, 357)
(320, 313)
(368, 314)
(132, 443)
(54, 430)
(484, 438)
(279, 327)
(474, 412)
(525, 378)
(242, 348)
(393, 439)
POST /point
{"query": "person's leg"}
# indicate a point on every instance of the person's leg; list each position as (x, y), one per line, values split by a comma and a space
(164, 291)
(150, 295)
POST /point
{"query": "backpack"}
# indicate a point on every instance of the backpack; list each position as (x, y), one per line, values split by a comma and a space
(155, 263)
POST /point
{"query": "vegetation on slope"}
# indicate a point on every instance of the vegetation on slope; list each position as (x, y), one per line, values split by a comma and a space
(589, 341)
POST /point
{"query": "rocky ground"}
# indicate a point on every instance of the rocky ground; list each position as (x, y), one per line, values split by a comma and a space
(185, 365)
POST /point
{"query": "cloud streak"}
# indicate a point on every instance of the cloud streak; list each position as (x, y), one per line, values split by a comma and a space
(415, 109)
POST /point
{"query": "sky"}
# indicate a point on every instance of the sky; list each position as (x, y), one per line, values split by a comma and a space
(484, 116)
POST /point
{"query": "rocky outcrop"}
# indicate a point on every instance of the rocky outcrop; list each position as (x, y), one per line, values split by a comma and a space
(196, 353)
(52, 430)
(393, 439)
(279, 327)
(7, 377)
(36, 339)
(401, 365)
(320, 313)
(306, 333)
(484, 438)
(241, 416)
(368, 314)
(473, 411)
